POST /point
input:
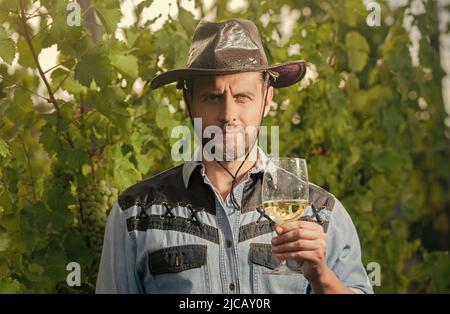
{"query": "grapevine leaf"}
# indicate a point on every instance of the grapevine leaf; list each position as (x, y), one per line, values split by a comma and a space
(93, 67)
(7, 46)
(9, 285)
(357, 50)
(109, 16)
(126, 64)
(4, 149)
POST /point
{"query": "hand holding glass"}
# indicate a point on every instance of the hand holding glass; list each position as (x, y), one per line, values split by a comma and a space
(285, 193)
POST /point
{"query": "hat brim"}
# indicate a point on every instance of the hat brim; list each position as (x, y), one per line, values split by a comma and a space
(289, 73)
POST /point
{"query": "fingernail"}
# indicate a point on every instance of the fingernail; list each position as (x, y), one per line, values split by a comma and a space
(279, 229)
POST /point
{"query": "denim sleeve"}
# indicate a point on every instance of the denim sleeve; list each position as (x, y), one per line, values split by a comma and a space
(117, 271)
(344, 251)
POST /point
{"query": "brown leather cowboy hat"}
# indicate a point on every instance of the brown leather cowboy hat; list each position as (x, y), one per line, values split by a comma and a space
(227, 47)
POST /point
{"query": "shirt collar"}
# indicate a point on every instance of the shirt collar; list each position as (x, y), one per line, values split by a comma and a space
(189, 166)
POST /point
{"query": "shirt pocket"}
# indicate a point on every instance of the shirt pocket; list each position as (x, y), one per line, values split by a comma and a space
(263, 260)
(180, 269)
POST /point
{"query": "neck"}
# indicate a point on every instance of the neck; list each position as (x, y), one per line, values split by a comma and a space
(221, 179)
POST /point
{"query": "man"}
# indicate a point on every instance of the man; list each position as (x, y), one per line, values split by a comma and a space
(199, 227)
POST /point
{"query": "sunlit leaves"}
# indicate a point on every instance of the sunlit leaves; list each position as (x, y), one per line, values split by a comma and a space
(25, 56)
(357, 50)
(109, 13)
(353, 13)
(125, 64)
(4, 241)
(9, 285)
(64, 79)
(4, 150)
(93, 67)
(187, 20)
(124, 168)
(110, 103)
(163, 118)
(7, 46)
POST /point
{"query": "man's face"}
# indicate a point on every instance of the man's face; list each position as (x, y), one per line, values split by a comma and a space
(234, 103)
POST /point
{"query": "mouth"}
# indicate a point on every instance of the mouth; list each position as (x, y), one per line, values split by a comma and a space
(232, 134)
(232, 130)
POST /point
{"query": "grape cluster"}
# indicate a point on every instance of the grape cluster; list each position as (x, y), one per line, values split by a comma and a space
(96, 200)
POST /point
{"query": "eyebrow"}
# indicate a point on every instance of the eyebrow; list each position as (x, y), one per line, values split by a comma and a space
(217, 93)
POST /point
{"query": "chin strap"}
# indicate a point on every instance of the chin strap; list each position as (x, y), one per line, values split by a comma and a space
(271, 75)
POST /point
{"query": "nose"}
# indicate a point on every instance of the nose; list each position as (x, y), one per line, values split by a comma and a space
(229, 111)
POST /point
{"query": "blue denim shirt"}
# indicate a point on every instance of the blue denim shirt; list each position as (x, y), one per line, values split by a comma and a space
(173, 233)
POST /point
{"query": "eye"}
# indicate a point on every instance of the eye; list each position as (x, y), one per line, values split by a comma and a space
(212, 97)
(242, 98)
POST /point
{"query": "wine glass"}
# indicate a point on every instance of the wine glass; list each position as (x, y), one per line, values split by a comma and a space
(285, 193)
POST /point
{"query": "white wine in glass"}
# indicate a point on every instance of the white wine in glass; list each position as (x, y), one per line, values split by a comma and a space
(285, 194)
(282, 211)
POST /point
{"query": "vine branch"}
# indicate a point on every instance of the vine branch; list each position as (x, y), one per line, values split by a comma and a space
(52, 98)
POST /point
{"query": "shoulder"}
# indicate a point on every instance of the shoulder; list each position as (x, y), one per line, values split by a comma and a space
(153, 189)
(321, 198)
(337, 221)
(329, 207)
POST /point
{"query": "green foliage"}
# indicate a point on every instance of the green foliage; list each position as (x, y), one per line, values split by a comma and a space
(371, 127)
(7, 47)
(357, 49)
(4, 151)
(94, 66)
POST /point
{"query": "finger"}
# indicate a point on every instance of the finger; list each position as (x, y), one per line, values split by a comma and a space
(299, 245)
(308, 256)
(310, 225)
(280, 229)
(297, 234)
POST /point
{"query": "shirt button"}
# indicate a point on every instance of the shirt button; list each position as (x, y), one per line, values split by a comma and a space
(229, 243)
(232, 286)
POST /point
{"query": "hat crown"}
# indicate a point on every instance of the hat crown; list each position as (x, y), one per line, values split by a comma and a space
(231, 44)
(228, 47)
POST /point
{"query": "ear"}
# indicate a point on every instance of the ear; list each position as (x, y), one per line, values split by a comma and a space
(268, 104)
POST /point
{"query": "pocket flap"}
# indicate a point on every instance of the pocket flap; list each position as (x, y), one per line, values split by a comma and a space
(177, 258)
(261, 254)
